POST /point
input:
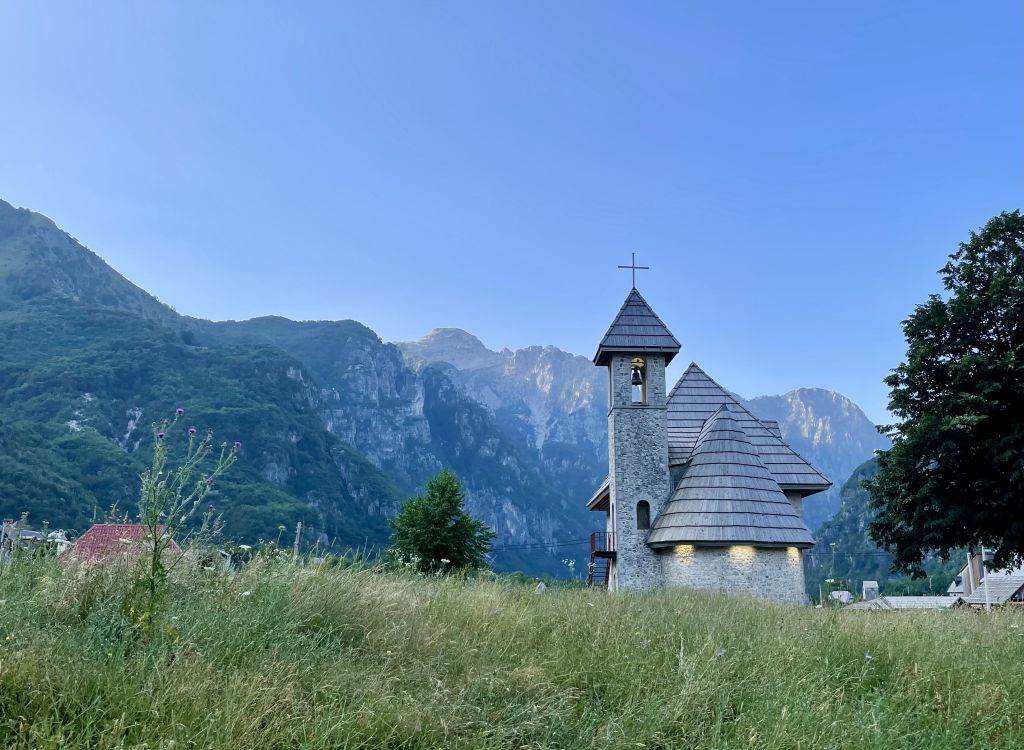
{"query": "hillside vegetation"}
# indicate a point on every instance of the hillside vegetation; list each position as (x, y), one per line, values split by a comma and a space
(846, 553)
(286, 656)
(337, 429)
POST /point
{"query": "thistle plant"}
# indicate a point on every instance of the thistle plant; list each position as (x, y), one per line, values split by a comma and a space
(170, 498)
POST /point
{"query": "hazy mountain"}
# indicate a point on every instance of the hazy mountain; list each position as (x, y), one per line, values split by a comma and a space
(560, 397)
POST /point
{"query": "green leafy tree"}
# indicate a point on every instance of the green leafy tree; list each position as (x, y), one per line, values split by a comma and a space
(954, 477)
(434, 532)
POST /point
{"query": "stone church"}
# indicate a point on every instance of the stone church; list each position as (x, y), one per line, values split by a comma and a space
(700, 492)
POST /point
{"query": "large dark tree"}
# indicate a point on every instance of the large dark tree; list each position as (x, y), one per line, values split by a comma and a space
(954, 477)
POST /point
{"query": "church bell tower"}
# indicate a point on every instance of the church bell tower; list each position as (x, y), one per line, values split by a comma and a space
(636, 350)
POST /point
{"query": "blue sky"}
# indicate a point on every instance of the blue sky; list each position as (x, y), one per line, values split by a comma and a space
(794, 172)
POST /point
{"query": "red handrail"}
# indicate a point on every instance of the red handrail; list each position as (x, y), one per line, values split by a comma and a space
(602, 541)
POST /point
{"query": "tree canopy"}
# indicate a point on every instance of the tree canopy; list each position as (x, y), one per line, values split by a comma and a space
(434, 532)
(954, 477)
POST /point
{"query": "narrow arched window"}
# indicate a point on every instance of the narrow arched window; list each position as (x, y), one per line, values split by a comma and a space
(643, 515)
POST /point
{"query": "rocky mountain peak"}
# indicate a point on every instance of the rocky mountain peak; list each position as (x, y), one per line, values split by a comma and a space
(455, 346)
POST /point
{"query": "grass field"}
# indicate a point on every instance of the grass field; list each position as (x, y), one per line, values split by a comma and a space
(283, 656)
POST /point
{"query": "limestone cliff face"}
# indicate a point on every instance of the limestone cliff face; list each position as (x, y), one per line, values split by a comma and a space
(516, 439)
(552, 403)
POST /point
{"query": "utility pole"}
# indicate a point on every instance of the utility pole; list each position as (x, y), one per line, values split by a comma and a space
(984, 580)
(298, 535)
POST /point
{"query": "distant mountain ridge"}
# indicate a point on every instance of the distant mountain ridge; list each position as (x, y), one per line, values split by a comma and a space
(338, 425)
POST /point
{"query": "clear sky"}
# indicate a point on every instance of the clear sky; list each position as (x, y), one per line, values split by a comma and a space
(794, 172)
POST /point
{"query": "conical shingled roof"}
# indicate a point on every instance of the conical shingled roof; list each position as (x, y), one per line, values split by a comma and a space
(693, 401)
(637, 328)
(727, 496)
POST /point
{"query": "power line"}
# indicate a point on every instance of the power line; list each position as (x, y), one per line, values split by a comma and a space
(541, 545)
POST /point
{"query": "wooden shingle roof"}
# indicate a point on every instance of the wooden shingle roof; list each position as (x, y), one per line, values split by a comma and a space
(727, 496)
(637, 328)
(692, 402)
(1003, 586)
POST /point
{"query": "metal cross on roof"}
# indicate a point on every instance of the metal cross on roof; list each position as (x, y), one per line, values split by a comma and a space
(634, 267)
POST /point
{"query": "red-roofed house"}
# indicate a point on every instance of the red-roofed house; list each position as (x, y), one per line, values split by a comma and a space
(107, 541)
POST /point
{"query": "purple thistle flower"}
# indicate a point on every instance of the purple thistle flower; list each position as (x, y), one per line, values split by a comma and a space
(209, 483)
(191, 430)
(179, 411)
(238, 445)
(160, 435)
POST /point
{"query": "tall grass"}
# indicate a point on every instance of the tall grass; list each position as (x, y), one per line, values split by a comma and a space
(286, 656)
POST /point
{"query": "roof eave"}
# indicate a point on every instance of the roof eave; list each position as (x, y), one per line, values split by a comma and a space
(604, 352)
(805, 489)
(731, 543)
(600, 499)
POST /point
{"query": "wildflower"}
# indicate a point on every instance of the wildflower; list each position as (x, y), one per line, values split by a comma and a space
(246, 593)
(387, 653)
(1015, 626)
(191, 430)
(720, 652)
(445, 561)
(209, 482)
(868, 657)
(238, 444)
(160, 435)
(179, 411)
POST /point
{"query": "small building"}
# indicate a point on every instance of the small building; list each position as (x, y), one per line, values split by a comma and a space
(700, 493)
(111, 542)
(17, 535)
(903, 602)
(840, 597)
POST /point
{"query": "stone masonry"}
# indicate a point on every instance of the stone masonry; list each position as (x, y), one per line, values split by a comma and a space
(764, 573)
(638, 465)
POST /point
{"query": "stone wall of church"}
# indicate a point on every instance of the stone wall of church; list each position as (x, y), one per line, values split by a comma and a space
(775, 574)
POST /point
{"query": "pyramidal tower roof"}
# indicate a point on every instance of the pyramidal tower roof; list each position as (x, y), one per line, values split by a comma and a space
(727, 496)
(637, 328)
